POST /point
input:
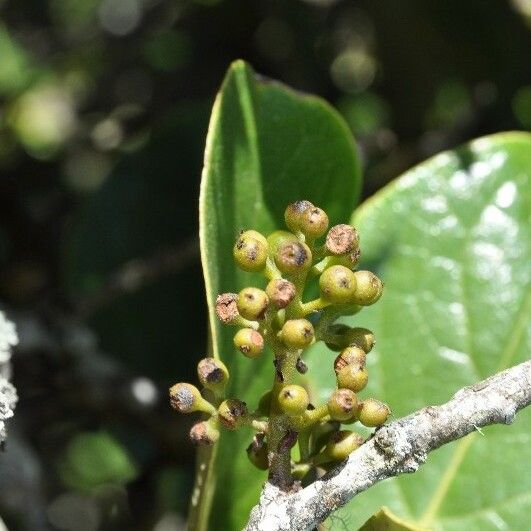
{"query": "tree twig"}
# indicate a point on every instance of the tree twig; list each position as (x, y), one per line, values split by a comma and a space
(397, 448)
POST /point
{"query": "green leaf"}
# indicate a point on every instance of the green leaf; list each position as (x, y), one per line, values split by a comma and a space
(267, 145)
(95, 459)
(385, 520)
(450, 238)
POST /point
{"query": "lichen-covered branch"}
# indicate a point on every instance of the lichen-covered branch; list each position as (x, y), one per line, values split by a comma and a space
(399, 447)
(8, 394)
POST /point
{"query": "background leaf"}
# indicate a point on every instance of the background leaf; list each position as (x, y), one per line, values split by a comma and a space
(450, 238)
(267, 145)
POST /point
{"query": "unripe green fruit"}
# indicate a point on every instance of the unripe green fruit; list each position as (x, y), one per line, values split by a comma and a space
(342, 404)
(353, 377)
(278, 237)
(293, 257)
(250, 251)
(294, 213)
(342, 239)
(372, 412)
(249, 342)
(232, 413)
(341, 444)
(321, 433)
(350, 356)
(297, 333)
(368, 288)
(280, 292)
(293, 400)
(346, 336)
(252, 303)
(313, 223)
(185, 398)
(257, 452)
(204, 434)
(338, 284)
(212, 374)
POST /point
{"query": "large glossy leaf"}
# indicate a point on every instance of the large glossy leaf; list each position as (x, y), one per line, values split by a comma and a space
(267, 145)
(451, 240)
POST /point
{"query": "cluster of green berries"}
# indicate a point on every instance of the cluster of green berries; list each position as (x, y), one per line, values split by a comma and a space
(276, 316)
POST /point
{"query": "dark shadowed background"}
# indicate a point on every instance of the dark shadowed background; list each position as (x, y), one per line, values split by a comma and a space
(104, 107)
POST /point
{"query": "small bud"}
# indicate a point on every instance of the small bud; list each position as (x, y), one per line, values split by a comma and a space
(232, 413)
(338, 284)
(185, 398)
(257, 452)
(368, 288)
(294, 213)
(342, 239)
(204, 434)
(280, 292)
(341, 444)
(293, 400)
(372, 412)
(250, 251)
(252, 303)
(226, 307)
(350, 356)
(297, 333)
(249, 342)
(292, 257)
(212, 373)
(342, 404)
(353, 377)
(313, 223)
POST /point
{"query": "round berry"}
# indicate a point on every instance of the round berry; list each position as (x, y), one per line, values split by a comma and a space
(227, 307)
(212, 373)
(185, 397)
(338, 284)
(368, 288)
(362, 338)
(350, 356)
(342, 404)
(353, 377)
(278, 237)
(204, 434)
(232, 413)
(257, 452)
(313, 223)
(297, 333)
(372, 412)
(293, 400)
(249, 342)
(341, 444)
(293, 257)
(294, 213)
(280, 292)
(342, 239)
(252, 303)
(250, 251)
